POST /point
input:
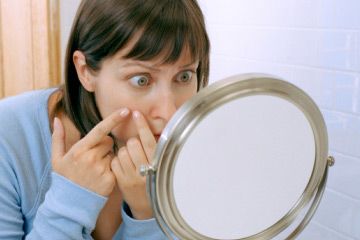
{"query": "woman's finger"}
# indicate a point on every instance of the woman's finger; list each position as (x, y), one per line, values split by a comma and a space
(102, 129)
(117, 169)
(146, 136)
(136, 153)
(105, 147)
(127, 165)
(58, 140)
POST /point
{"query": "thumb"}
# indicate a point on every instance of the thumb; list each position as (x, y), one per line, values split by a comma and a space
(58, 140)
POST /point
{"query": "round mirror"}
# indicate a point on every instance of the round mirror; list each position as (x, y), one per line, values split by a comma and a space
(240, 160)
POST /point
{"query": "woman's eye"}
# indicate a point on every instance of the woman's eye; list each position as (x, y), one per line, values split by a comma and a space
(184, 77)
(140, 81)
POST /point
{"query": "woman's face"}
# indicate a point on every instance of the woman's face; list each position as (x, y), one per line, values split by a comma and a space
(156, 90)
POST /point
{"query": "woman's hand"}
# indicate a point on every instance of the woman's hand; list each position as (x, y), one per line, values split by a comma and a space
(87, 163)
(126, 167)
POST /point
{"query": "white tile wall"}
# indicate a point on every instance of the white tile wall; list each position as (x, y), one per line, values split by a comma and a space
(314, 44)
(67, 13)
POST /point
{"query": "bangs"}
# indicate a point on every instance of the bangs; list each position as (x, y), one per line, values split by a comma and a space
(167, 31)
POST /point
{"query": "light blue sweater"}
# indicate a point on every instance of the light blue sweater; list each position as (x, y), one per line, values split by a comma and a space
(36, 203)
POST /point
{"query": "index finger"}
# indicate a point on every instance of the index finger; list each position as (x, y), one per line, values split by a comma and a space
(146, 136)
(103, 128)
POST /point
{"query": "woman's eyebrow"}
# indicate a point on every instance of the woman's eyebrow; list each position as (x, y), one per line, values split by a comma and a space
(189, 64)
(153, 68)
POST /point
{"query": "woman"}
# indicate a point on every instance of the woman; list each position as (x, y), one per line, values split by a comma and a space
(70, 157)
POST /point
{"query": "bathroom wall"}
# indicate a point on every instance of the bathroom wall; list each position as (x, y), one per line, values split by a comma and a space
(314, 44)
(67, 13)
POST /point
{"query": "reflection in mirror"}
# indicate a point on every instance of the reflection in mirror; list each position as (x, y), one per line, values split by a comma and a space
(240, 175)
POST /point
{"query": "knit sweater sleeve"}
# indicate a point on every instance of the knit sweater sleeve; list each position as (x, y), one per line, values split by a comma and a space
(68, 211)
(11, 221)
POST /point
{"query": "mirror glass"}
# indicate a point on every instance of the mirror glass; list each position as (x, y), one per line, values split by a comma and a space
(243, 167)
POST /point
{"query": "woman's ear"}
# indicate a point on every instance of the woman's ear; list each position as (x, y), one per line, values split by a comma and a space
(86, 78)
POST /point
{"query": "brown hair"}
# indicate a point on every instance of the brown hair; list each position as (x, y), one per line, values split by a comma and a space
(102, 27)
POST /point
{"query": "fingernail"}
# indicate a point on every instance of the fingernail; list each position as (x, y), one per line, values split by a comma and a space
(136, 114)
(124, 112)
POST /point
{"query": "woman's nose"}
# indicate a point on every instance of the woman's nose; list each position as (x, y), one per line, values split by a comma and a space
(164, 105)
